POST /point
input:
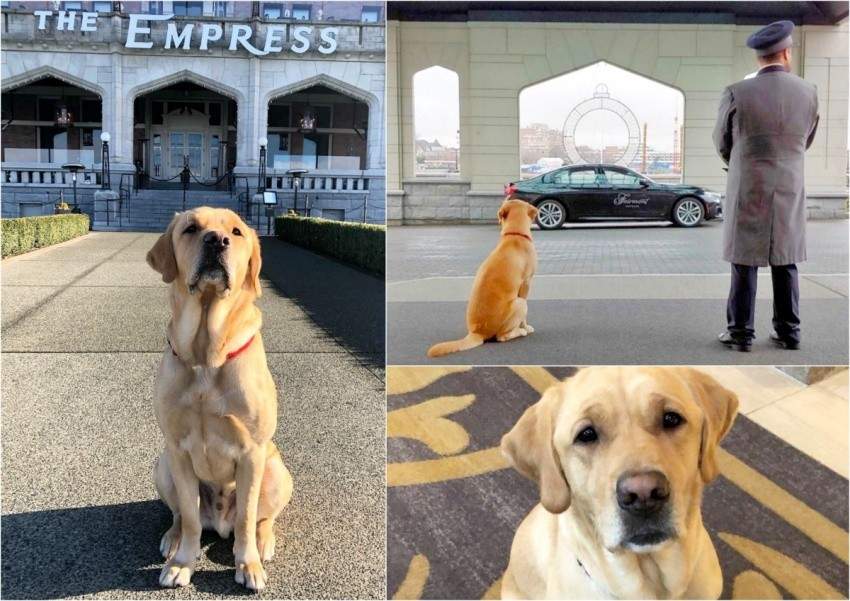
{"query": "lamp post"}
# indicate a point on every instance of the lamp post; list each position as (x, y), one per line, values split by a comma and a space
(296, 175)
(74, 168)
(104, 161)
(261, 175)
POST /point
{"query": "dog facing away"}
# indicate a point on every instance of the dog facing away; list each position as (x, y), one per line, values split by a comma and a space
(620, 456)
(215, 399)
(498, 306)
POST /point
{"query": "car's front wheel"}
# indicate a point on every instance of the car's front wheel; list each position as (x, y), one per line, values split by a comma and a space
(688, 212)
(551, 214)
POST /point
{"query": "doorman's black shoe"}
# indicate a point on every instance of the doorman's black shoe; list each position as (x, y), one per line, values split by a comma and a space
(744, 345)
(785, 342)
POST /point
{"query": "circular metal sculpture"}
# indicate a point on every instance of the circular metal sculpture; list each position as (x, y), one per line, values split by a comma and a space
(601, 101)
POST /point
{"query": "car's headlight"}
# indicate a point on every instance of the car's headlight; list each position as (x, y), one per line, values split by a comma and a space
(711, 196)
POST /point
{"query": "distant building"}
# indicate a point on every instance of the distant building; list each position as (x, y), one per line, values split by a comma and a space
(433, 157)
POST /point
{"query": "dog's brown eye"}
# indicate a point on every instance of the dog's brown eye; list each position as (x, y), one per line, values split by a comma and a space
(672, 420)
(237, 231)
(191, 229)
(587, 436)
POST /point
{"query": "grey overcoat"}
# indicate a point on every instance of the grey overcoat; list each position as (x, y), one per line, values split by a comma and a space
(764, 126)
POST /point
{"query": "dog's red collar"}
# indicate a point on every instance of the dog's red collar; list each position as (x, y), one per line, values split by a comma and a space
(234, 354)
(230, 355)
(526, 236)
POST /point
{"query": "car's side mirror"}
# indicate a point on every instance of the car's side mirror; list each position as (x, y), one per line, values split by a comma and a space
(644, 183)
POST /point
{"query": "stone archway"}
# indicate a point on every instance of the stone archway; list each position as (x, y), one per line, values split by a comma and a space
(374, 132)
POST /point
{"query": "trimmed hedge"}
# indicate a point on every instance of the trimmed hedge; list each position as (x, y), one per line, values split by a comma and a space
(28, 233)
(359, 243)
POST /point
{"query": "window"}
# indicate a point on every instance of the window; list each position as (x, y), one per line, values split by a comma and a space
(72, 6)
(91, 111)
(436, 122)
(315, 151)
(584, 178)
(219, 9)
(103, 7)
(301, 12)
(278, 115)
(155, 7)
(157, 110)
(277, 153)
(370, 14)
(622, 179)
(272, 11)
(188, 9)
(215, 113)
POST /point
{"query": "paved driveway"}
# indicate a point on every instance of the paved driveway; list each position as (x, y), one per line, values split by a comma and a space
(629, 294)
(83, 331)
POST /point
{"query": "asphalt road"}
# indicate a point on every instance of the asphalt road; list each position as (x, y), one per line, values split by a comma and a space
(83, 331)
(642, 294)
(416, 252)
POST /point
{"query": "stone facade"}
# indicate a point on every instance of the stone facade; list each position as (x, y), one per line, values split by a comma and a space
(495, 61)
(99, 62)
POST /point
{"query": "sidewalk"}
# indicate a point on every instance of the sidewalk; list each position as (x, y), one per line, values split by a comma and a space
(83, 331)
(622, 294)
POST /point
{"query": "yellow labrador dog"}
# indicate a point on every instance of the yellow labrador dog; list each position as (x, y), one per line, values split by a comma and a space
(498, 305)
(621, 456)
(215, 399)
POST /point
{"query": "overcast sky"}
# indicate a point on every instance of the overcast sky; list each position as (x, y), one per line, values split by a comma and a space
(549, 102)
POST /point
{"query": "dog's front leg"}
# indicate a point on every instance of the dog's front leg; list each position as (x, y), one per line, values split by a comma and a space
(178, 570)
(249, 476)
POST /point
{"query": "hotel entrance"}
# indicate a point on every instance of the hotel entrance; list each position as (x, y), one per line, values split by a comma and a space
(184, 125)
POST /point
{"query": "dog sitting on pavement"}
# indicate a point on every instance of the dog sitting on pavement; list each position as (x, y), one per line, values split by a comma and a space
(498, 307)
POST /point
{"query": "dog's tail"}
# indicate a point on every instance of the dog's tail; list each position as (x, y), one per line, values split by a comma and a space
(452, 346)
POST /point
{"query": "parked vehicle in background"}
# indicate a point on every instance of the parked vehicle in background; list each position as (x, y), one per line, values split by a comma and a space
(612, 192)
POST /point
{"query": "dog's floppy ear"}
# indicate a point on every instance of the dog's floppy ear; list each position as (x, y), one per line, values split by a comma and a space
(532, 212)
(719, 407)
(503, 211)
(161, 256)
(252, 278)
(530, 449)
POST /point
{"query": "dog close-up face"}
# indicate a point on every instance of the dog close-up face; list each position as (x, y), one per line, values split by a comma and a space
(515, 212)
(629, 449)
(208, 250)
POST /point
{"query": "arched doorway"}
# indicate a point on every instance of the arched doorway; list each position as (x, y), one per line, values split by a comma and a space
(318, 129)
(184, 124)
(50, 122)
(602, 114)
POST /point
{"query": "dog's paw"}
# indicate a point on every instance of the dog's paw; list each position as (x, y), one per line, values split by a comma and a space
(169, 543)
(265, 544)
(528, 328)
(252, 575)
(175, 574)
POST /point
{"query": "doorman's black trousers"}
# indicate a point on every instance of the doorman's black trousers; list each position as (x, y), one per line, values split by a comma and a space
(741, 307)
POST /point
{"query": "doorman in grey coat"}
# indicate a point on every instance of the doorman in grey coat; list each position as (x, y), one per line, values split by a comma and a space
(764, 126)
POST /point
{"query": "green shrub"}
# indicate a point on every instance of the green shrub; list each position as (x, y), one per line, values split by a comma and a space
(361, 244)
(28, 233)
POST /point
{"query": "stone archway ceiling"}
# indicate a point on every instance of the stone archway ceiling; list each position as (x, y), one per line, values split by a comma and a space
(683, 12)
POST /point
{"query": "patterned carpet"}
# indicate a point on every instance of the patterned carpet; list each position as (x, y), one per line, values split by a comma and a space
(777, 518)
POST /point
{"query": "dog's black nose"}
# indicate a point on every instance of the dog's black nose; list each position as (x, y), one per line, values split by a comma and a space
(216, 240)
(642, 493)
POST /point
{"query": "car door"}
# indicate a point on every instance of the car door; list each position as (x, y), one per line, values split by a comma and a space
(627, 197)
(585, 197)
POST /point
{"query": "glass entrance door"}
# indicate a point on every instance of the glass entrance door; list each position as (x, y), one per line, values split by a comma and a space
(183, 146)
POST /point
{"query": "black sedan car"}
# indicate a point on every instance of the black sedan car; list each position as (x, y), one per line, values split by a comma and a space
(612, 192)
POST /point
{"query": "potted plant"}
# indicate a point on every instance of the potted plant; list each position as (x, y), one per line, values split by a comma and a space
(61, 208)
